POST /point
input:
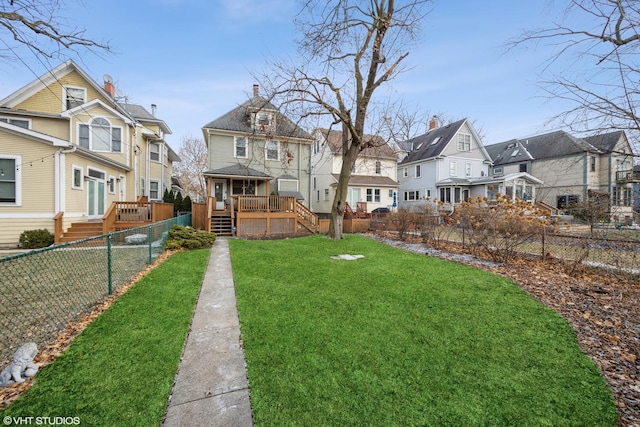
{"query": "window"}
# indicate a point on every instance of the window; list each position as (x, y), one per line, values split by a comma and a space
(405, 172)
(154, 190)
(411, 195)
(100, 136)
(523, 167)
(498, 170)
(378, 167)
(272, 150)
(445, 195)
(241, 146)
(142, 188)
(427, 193)
(264, 121)
(453, 169)
(615, 196)
(16, 122)
(326, 194)
(373, 195)
(418, 171)
(317, 195)
(391, 193)
(467, 169)
(10, 180)
(74, 96)
(243, 186)
(314, 183)
(593, 163)
(627, 196)
(77, 178)
(112, 185)
(154, 152)
(464, 142)
(316, 147)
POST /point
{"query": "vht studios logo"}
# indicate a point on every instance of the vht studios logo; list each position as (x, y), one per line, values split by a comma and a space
(41, 421)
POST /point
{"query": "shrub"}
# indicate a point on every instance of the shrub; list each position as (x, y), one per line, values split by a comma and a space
(34, 239)
(183, 237)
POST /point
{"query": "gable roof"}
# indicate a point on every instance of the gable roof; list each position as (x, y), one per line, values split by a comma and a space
(379, 150)
(239, 120)
(49, 78)
(139, 113)
(549, 145)
(432, 143)
(606, 142)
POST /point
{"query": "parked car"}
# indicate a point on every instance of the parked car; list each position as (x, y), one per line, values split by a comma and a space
(380, 211)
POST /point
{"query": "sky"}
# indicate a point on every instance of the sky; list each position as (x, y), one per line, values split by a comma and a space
(196, 60)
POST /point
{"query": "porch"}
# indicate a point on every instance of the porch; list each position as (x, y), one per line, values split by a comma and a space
(119, 216)
(255, 216)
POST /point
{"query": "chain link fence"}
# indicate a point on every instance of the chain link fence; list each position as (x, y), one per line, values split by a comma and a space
(613, 249)
(44, 290)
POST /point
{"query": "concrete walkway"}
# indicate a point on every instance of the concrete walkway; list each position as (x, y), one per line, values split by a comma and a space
(211, 386)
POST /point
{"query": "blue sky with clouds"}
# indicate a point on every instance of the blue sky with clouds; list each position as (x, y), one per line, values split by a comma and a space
(195, 59)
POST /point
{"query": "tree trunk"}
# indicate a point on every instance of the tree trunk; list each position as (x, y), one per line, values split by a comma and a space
(340, 198)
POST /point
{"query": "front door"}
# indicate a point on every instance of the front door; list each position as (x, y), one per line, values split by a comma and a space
(220, 193)
(95, 203)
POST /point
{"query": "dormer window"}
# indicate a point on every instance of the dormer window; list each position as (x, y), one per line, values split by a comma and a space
(264, 121)
(74, 96)
(100, 136)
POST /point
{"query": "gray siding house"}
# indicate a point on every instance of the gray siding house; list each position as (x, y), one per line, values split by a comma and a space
(573, 169)
(450, 164)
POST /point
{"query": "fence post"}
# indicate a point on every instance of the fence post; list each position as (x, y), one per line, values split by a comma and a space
(544, 232)
(109, 262)
(149, 234)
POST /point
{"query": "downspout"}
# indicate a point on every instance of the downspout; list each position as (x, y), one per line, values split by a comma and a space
(60, 163)
(585, 178)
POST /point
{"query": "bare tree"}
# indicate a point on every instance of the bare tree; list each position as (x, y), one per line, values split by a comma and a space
(38, 25)
(193, 155)
(348, 50)
(601, 41)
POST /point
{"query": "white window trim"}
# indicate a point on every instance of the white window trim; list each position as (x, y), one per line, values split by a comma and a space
(453, 168)
(18, 161)
(159, 190)
(75, 168)
(235, 147)
(111, 127)
(266, 149)
(155, 144)
(418, 171)
(9, 119)
(405, 172)
(64, 95)
(468, 168)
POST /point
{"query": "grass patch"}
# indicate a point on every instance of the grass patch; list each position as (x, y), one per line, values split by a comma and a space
(120, 369)
(397, 338)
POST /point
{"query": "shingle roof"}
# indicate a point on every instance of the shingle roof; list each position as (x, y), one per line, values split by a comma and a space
(139, 113)
(431, 144)
(606, 142)
(237, 170)
(377, 180)
(239, 120)
(379, 150)
(550, 145)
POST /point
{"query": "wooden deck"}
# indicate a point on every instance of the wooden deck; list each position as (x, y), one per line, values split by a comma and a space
(256, 216)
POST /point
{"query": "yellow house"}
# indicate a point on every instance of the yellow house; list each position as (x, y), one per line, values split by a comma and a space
(69, 149)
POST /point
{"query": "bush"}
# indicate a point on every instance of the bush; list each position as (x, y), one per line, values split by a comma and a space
(35, 239)
(183, 237)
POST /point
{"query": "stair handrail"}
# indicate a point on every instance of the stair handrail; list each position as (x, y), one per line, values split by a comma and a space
(306, 217)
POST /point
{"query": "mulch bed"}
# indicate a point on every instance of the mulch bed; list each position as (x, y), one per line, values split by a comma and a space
(603, 308)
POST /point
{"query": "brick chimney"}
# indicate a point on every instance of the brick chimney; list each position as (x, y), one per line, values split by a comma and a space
(110, 88)
(255, 90)
(433, 123)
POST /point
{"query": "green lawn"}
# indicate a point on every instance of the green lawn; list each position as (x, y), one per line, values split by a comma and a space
(120, 369)
(397, 338)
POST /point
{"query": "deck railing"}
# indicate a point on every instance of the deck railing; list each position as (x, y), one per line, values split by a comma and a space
(266, 204)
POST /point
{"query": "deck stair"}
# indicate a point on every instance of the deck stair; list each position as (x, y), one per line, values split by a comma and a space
(82, 230)
(221, 225)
